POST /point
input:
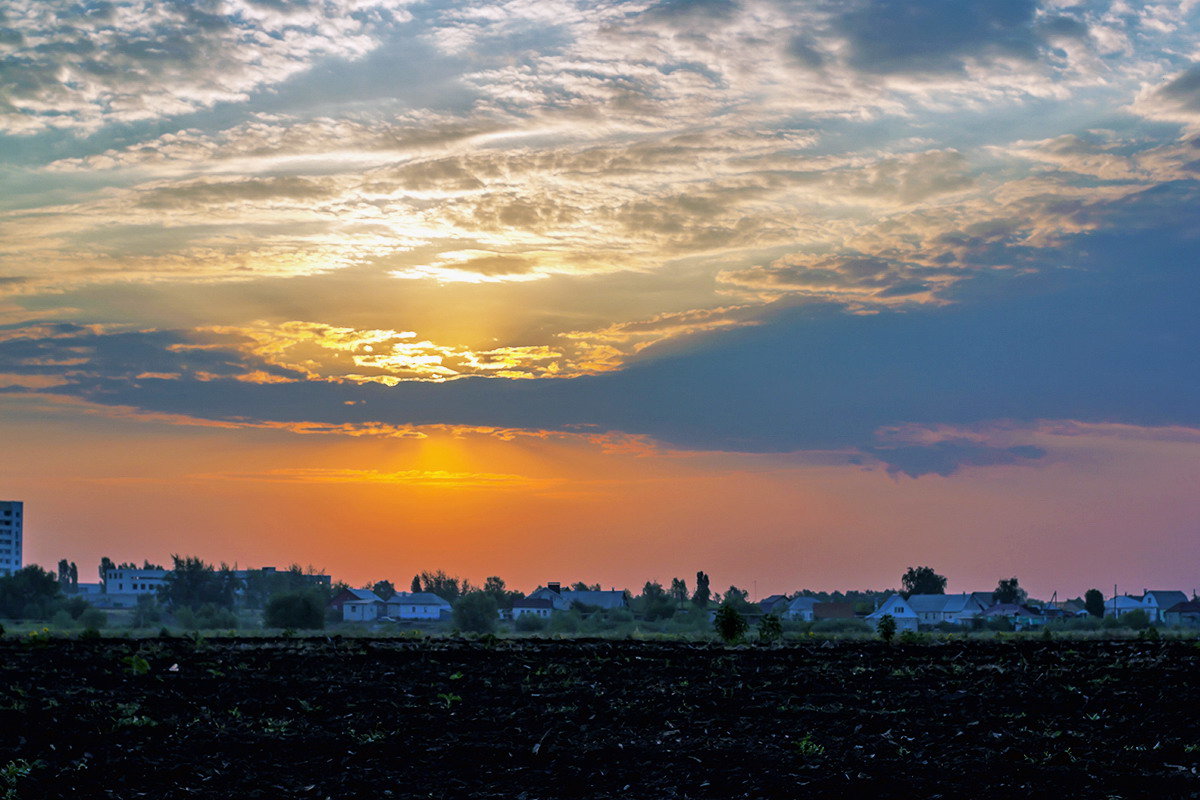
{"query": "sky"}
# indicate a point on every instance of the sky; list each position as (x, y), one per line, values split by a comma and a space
(799, 294)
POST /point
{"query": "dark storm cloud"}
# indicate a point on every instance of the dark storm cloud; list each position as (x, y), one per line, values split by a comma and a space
(947, 458)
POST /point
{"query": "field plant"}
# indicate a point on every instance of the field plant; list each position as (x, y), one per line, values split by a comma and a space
(806, 748)
(11, 775)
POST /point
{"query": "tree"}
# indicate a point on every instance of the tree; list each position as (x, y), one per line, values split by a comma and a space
(679, 591)
(74, 576)
(192, 583)
(495, 587)
(922, 580)
(444, 586)
(654, 603)
(702, 594)
(886, 627)
(29, 593)
(64, 574)
(475, 612)
(298, 610)
(729, 624)
(1093, 602)
(1009, 591)
(739, 599)
(416, 584)
(106, 564)
(382, 589)
(580, 586)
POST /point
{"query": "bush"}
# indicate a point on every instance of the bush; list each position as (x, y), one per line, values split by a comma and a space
(62, 619)
(476, 613)
(207, 617)
(148, 612)
(840, 626)
(770, 629)
(886, 627)
(302, 610)
(1137, 619)
(730, 625)
(568, 622)
(89, 634)
(528, 623)
(93, 618)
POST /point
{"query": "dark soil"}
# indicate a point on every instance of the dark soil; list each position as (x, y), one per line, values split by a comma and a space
(456, 719)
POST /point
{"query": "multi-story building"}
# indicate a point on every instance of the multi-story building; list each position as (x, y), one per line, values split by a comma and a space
(135, 581)
(12, 528)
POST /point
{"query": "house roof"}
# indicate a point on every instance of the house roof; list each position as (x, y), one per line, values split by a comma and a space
(364, 595)
(612, 599)
(941, 603)
(889, 607)
(418, 599)
(772, 601)
(1010, 610)
(1186, 607)
(1165, 599)
(833, 611)
(802, 604)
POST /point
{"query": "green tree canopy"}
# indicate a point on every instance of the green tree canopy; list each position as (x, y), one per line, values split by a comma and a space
(679, 591)
(299, 610)
(192, 583)
(1093, 602)
(29, 593)
(444, 586)
(702, 594)
(922, 580)
(1009, 591)
(475, 612)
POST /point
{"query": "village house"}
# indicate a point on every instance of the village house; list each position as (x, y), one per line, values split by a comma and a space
(898, 609)
(1185, 614)
(1021, 616)
(955, 609)
(775, 604)
(1156, 603)
(801, 608)
(564, 599)
(1122, 604)
(538, 607)
(416, 605)
(822, 611)
(358, 605)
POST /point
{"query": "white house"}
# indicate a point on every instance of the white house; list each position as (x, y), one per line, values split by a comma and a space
(801, 608)
(1122, 604)
(416, 605)
(899, 609)
(957, 609)
(365, 606)
(1156, 603)
(538, 607)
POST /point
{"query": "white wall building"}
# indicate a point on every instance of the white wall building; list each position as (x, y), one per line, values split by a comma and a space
(135, 581)
(899, 609)
(416, 605)
(12, 526)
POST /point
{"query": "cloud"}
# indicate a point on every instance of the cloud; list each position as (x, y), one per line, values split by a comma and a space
(1176, 100)
(947, 458)
(82, 65)
(945, 36)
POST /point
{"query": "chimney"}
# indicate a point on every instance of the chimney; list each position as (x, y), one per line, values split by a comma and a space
(554, 586)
